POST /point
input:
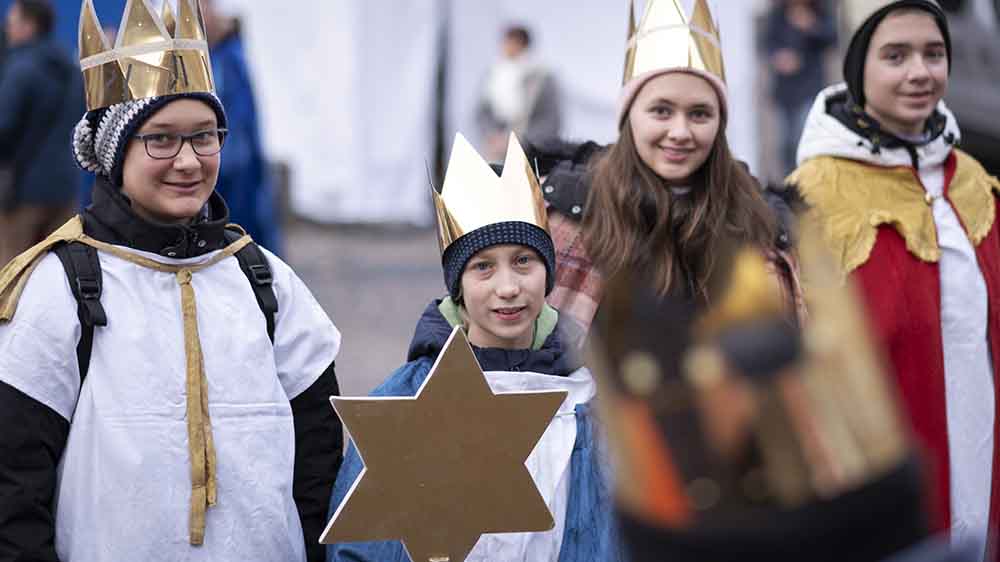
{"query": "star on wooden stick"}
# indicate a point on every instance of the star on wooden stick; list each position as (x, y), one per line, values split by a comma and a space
(445, 466)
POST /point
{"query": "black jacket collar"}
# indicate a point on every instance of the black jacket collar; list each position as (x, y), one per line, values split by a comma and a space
(110, 219)
(842, 107)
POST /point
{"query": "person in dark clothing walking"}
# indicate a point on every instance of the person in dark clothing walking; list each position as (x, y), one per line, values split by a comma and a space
(799, 32)
(40, 102)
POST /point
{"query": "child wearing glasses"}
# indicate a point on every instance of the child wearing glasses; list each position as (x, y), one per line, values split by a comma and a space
(164, 382)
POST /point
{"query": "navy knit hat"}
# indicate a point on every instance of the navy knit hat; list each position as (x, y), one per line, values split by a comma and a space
(100, 138)
(458, 254)
(857, 52)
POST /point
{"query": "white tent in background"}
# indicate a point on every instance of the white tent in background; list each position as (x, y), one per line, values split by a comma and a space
(346, 87)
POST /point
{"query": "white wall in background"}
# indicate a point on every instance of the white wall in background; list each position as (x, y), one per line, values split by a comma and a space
(345, 94)
(346, 87)
(584, 42)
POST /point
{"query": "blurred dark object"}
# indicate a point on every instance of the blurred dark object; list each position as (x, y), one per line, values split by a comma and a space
(739, 438)
(936, 550)
(973, 94)
(40, 102)
(281, 178)
(797, 35)
(244, 178)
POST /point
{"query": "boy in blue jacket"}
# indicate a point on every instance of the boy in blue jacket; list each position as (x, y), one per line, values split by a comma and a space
(498, 261)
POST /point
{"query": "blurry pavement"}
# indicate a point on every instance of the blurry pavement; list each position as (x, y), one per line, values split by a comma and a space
(374, 283)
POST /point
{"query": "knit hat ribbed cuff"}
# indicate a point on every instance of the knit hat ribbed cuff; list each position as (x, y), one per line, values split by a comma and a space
(458, 254)
(631, 89)
(101, 136)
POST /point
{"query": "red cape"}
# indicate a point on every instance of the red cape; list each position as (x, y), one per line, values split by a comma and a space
(904, 300)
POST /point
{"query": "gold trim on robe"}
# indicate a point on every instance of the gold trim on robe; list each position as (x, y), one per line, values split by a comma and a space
(851, 199)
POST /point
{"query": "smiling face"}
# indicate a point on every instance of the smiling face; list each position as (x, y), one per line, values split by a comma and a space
(906, 71)
(675, 119)
(503, 290)
(173, 190)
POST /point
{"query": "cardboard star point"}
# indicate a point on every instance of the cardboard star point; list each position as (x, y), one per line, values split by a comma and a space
(445, 466)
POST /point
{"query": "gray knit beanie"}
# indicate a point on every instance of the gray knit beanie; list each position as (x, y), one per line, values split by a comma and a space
(101, 136)
(458, 254)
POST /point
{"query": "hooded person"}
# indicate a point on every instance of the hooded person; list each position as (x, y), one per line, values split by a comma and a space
(138, 423)
(668, 194)
(498, 262)
(911, 219)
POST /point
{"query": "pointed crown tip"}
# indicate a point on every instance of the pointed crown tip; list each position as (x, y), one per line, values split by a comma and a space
(667, 38)
(155, 54)
(474, 195)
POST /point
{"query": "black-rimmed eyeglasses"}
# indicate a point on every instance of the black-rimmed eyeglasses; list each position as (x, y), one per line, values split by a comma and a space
(164, 146)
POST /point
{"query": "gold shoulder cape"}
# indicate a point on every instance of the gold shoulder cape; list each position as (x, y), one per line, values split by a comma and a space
(851, 199)
(15, 274)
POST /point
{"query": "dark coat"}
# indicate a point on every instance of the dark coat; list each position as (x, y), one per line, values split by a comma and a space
(801, 87)
(41, 100)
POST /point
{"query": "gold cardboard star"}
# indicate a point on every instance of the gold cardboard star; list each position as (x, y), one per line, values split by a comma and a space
(445, 466)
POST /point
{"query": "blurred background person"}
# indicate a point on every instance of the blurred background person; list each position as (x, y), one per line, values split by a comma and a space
(39, 103)
(519, 95)
(798, 35)
(244, 179)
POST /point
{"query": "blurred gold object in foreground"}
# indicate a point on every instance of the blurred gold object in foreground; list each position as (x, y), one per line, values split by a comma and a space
(746, 411)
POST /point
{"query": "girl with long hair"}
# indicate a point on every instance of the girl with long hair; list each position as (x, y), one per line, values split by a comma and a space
(668, 199)
(669, 196)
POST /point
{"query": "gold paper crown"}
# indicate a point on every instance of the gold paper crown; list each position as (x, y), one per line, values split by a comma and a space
(474, 196)
(152, 56)
(667, 39)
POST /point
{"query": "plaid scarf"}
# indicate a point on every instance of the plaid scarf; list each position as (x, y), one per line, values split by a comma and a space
(579, 285)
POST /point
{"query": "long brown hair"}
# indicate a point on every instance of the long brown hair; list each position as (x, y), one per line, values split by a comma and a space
(633, 220)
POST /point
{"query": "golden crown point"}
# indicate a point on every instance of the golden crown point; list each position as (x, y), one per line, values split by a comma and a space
(153, 56)
(752, 292)
(666, 39)
(474, 196)
(169, 21)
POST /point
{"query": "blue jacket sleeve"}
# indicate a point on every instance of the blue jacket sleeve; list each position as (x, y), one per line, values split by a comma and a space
(404, 382)
(591, 527)
(384, 551)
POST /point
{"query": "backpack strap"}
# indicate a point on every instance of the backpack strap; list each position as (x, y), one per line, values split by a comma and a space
(258, 272)
(83, 270)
